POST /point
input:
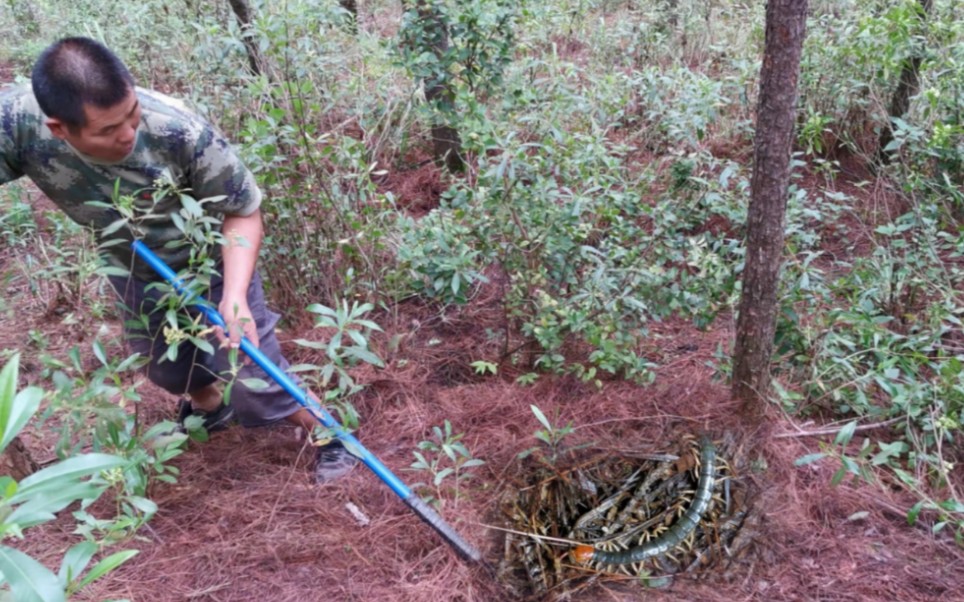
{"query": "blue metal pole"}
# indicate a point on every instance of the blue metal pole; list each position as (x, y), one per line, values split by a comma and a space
(351, 443)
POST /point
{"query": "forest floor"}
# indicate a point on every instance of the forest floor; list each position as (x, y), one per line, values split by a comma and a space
(245, 522)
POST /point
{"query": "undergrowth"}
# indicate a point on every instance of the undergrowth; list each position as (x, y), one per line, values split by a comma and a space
(608, 150)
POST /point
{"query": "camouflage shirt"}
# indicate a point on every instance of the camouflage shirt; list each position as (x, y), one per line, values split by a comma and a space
(173, 144)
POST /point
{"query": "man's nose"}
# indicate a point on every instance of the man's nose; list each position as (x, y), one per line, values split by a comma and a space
(127, 134)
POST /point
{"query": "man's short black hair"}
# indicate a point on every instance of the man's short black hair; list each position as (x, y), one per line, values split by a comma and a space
(73, 72)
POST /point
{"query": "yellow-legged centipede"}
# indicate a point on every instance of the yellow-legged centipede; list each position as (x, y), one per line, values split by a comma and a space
(676, 534)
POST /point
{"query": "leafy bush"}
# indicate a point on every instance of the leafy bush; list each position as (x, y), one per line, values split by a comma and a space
(35, 500)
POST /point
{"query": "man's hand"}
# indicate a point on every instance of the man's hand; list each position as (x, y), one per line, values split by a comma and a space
(238, 321)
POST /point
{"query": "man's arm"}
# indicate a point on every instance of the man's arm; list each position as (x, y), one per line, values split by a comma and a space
(240, 253)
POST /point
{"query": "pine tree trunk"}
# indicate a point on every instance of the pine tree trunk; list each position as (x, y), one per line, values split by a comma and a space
(907, 87)
(352, 7)
(16, 461)
(776, 112)
(242, 11)
(446, 142)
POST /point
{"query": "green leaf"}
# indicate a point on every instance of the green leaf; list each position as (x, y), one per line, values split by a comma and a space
(851, 466)
(99, 352)
(838, 476)
(254, 384)
(190, 205)
(311, 344)
(146, 506)
(364, 355)
(809, 459)
(55, 476)
(107, 565)
(317, 308)
(914, 512)
(75, 561)
(442, 474)
(40, 506)
(29, 580)
(846, 433)
(541, 417)
(15, 408)
(952, 505)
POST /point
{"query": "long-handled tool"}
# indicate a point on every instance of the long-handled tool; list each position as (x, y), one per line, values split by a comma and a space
(423, 510)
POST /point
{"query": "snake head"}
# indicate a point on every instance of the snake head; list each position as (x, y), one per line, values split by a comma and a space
(583, 554)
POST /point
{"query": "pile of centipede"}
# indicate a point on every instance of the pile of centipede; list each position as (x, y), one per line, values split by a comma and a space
(647, 516)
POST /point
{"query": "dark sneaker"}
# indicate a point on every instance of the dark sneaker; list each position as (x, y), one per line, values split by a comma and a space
(333, 461)
(218, 420)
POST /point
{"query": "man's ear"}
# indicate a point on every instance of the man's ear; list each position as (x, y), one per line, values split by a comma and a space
(57, 127)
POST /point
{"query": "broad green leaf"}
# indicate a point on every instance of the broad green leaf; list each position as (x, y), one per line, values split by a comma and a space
(41, 505)
(190, 205)
(541, 417)
(29, 580)
(905, 477)
(317, 308)
(851, 466)
(838, 476)
(15, 417)
(71, 468)
(255, 384)
(75, 561)
(952, 505)
(846, 433)
(99, 352)
(311, 344)
(107, 565)
(113, 271)
(442, 474)
(148, 507)
(809, 459)
(364, 355)
(15, 408)
(914, 512)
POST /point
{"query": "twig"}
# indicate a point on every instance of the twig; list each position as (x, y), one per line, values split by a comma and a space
(568, 542)
(835, 430)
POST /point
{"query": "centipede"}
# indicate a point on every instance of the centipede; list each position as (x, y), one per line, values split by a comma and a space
(676, 535)
(648, 514)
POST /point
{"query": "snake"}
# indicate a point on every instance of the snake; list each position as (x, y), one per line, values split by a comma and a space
(675, 535)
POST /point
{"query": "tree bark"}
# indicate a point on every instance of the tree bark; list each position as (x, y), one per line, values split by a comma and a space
(446, 142)
(907, 87)
(16, 461)
(352, 7)
(243, 13)
(776, 112)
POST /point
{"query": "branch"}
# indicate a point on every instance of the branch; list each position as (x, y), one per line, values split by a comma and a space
(835, 430)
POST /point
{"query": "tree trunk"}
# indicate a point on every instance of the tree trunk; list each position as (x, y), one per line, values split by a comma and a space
(907, 87)
(352, 7)
(776, 112)
(242, 10)
(16, 461)
(446, 142)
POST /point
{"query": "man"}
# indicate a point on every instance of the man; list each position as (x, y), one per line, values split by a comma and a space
(88, 137)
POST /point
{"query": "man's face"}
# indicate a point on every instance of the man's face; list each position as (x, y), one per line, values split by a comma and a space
(109, 135)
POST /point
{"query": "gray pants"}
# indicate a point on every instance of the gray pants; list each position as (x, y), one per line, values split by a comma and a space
(193, 368)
